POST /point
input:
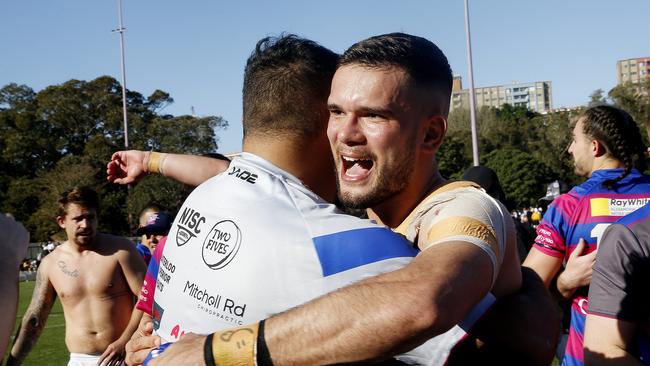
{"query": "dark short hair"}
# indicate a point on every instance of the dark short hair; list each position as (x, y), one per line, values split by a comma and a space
(286, 84)
(80, 195)
(619, 133)
(421, 59)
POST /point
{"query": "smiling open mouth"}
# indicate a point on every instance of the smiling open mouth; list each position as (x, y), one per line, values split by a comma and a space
(356, 169)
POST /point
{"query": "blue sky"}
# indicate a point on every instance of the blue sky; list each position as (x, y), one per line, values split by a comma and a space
(196, 50)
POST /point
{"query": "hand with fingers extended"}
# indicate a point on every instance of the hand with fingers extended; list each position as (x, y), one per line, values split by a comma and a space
(126, 167)
(142, 342)
(578, 269)
(114, 354)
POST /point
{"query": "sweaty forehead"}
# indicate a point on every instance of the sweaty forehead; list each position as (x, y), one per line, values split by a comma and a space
(365, 85)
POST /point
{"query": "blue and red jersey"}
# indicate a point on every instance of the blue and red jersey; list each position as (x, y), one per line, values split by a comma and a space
(145, 300)
(585, 212)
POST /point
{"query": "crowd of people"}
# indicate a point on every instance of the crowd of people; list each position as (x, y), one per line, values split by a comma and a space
(261, 266)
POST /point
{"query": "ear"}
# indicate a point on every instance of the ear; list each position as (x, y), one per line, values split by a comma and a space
(598, 149)
(61, 221)
(435, 129)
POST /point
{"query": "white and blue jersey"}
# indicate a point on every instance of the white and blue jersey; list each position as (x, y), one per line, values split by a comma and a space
(253, 242)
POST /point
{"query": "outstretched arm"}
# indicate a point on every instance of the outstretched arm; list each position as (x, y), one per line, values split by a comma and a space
(406, 307)
(13, 245)
(130, 166)
(35, 316)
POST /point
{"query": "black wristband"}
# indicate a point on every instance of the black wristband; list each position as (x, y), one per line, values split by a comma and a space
(207, 351)
(262, 356)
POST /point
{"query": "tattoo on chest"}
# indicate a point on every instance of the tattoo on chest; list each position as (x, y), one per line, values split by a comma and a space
(65, 270)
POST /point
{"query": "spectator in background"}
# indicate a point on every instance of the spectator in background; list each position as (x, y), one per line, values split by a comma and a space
(155, 223)
(536, 216)
(13, 246)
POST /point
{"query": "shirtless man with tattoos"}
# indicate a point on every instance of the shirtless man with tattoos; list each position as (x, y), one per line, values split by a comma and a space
(96, 276)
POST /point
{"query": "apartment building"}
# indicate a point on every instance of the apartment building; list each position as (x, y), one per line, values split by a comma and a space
(535, 95)
(632, 70)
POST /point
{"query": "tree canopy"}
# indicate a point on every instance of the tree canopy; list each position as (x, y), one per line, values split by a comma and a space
(65, 134)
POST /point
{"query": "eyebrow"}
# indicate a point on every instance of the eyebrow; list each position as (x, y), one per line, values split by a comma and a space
(365, 110)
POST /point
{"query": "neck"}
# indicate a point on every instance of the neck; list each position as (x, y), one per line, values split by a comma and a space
(77, 248)
(308, 160)
(606, 162)
(393, 211)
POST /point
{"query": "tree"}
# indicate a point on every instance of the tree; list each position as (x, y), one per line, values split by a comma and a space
(550, 146)
(523, 180)
(635, 99)
(63, 136)
(597, 98)
(454, 157)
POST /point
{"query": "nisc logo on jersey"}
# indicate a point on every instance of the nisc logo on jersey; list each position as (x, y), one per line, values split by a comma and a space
(243, 174)
(189, 226)
(222, 244)
(157, 315)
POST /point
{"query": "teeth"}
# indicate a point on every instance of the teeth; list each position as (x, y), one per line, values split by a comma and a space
(352, 160)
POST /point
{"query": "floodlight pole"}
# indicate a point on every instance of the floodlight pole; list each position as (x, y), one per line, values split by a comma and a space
(472, 99)
(121, 30)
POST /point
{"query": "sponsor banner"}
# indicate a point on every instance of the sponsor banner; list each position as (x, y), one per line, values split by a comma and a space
(616, 206)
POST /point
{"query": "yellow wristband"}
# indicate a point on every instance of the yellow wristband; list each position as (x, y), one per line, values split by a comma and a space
(153, 165)
(235, 347)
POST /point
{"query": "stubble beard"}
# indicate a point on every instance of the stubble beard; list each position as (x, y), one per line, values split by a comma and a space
(85, 241)
(389, 181)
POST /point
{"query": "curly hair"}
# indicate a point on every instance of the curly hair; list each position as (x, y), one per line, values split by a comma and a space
(619, 133)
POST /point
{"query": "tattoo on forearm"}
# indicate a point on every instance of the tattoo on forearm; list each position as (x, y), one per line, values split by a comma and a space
(65, 270)
(34, 319)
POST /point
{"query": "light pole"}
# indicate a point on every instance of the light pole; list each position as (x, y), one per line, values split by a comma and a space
(121, 30)
(472, 99)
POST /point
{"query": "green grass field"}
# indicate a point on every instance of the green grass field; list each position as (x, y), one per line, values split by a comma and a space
(50, 348)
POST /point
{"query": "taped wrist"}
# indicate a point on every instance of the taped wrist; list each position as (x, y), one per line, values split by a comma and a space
(232, 347)
(155, 159)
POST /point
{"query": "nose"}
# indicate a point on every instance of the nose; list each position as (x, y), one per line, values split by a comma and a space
(83, 223)
(349, 131)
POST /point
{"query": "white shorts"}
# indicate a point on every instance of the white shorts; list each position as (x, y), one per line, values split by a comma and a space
(83, 359)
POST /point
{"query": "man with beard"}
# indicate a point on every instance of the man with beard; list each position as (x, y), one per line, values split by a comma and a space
(96, 276)
(387, 120)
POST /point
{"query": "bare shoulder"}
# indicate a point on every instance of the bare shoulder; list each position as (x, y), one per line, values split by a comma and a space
(114, 242)
(48, 260)
(114, 245)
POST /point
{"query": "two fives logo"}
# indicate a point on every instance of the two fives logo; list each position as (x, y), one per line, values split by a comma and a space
(222, 244)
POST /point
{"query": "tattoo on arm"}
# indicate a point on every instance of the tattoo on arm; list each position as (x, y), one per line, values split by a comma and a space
(65, 270)
(34, 319)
